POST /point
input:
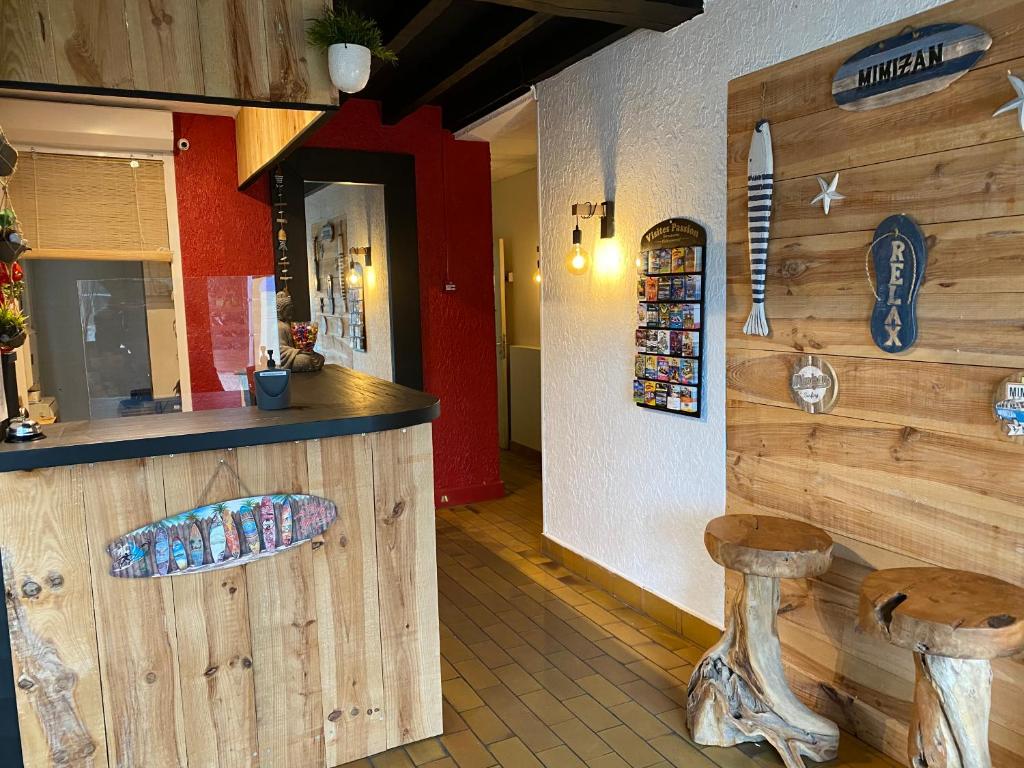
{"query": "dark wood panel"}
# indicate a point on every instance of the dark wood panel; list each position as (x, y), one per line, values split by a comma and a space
(659, 15)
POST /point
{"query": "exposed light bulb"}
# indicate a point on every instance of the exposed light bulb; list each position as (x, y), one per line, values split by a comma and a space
(536, 277)
(353, 276)
(578, 259)
(133, 163)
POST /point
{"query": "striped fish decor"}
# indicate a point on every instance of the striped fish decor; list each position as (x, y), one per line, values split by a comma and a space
(206, 538)
(760, 180)
(914, 63)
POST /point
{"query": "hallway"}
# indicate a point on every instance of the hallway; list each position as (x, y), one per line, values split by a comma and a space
(541, 668)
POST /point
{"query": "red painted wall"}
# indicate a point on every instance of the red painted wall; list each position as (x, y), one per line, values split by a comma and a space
(459, 362)
(224, 232)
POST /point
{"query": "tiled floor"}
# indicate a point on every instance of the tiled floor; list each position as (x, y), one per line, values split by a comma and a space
(542, 669)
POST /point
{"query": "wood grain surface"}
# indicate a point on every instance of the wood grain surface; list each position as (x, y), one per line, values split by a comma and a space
(263, 664)
(910, 468)
(212, 619)
(250, 51)
(348, 611)
(407, 571)
(53, 635)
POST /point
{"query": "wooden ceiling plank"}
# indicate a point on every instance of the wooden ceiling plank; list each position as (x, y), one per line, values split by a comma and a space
(644, 14)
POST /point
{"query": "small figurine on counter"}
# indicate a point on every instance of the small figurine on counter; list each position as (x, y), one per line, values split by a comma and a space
(291, 357)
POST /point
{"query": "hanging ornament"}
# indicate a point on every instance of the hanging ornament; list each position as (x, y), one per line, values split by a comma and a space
(828, 193)
(1016, 104)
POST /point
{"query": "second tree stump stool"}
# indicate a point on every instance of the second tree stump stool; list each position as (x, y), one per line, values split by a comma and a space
(738, 692)
(955, 622)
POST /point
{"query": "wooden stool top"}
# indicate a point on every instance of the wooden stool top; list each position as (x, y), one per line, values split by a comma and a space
(943, 612)
(768, 546)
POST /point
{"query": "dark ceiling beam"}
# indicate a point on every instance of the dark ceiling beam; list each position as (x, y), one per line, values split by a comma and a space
(558, 44)
(393, 113)
(417, 25)
(659, 15)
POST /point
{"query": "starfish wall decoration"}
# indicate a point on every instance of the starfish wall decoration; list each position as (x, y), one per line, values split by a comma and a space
(1014, 104)
(828, 193)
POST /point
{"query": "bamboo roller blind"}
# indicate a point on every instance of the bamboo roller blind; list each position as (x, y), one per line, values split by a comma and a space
(77, 206)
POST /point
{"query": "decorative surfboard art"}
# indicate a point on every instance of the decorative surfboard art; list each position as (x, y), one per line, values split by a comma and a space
(914, 63)
(900, 257)
(1009, 406)
(814, 384)
(199, 540)
(760, 183)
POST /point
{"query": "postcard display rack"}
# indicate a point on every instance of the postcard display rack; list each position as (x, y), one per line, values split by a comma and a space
(670, 313)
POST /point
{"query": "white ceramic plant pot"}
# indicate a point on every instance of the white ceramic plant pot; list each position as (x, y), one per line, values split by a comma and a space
(349, 65)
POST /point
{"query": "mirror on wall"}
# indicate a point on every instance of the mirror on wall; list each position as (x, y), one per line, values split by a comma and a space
(347, 261)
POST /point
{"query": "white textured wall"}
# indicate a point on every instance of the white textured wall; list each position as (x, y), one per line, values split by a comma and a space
(644, 122)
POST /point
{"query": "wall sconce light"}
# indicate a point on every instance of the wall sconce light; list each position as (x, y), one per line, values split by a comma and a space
(578, 260)
(364, 252)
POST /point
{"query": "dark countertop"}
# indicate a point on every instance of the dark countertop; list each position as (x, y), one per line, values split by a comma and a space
(335, 401)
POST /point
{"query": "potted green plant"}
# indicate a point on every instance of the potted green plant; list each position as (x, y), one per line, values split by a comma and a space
(12, 327)
(351, 41)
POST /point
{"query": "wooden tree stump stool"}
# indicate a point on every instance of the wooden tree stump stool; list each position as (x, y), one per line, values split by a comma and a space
(738, 692)
(955, 622)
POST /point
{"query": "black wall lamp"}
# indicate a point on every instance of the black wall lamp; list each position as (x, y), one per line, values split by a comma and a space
(578, 260)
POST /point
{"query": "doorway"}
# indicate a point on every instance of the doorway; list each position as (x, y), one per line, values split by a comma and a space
(512, 135)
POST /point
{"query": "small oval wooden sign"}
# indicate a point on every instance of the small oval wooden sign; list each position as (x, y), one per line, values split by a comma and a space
(911, 64)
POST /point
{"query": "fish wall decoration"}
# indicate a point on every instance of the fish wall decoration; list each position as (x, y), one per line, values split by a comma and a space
(206, 538)
(760, 184)
(914, 63)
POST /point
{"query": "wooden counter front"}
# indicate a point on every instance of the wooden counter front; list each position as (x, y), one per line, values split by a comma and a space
(313, 657)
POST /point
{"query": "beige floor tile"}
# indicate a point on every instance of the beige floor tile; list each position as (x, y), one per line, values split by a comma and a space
(396, 758)
(560, 757)
(487, 726)
(425, 751)
(593, 714)
(581, 739)
(681, 753)
(570, 665)
(512, 753)
(606, 693)
(646, 725)
(556, 681)
(517, 679)
(467, 751)
(611, 670)
(630, 747)
(546, 707)
(460, 695)
(476, 674)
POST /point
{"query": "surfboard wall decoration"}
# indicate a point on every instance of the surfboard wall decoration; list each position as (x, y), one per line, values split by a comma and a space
(914, 63)
(206, 538)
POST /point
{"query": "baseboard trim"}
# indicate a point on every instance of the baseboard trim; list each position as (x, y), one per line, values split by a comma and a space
(693, 628)
(456, 497)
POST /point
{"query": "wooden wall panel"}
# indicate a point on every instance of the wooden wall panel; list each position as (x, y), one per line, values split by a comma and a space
(165, 45)
(212, 612)
(53, 635)
(910, 468)
(263, 135)
(134, 621)
(222, 49)
(345, 568)
(407, 565)
(282, 614)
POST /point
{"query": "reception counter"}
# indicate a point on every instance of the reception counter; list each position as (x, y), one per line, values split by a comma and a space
(315, 655)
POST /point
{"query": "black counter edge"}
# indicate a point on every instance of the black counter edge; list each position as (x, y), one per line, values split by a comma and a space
(62, 456)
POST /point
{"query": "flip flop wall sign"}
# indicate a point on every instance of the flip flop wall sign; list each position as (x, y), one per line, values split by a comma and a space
(900, 256)
(220, 535)
(914, 63)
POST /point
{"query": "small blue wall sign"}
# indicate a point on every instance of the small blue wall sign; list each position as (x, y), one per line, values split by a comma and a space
(914, 63)
(1009, 406)
(900, 256)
